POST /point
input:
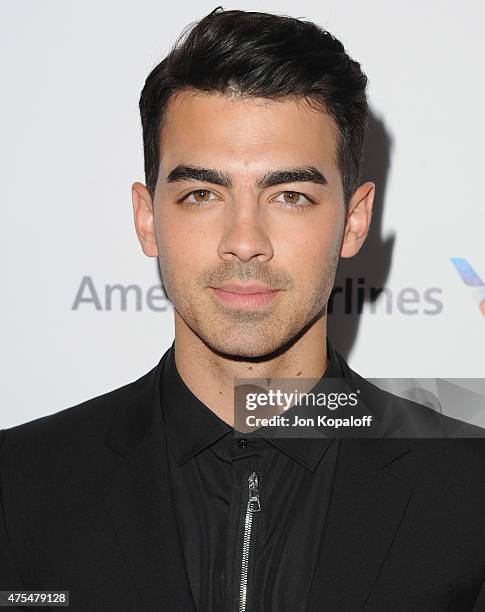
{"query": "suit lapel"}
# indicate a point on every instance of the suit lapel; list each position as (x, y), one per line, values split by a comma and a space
(138, 498)
(366, 508)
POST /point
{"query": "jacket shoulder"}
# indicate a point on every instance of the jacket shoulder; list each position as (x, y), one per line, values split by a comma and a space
(415, 420)
(79, 428)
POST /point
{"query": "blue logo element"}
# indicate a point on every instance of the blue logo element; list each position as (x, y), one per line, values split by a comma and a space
(471, 279)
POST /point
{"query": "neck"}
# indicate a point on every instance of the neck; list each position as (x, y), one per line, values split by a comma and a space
(210, 376)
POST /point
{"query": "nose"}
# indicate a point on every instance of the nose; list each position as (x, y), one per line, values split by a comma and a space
(244, 236)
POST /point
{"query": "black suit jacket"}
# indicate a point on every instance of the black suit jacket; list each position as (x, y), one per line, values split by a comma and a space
(86, 506)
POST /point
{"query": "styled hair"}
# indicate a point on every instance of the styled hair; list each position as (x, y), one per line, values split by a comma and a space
(247, 53)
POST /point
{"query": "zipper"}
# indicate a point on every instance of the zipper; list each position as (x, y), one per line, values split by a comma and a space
(254, 505)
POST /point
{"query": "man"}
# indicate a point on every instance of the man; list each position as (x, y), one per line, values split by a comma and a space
(143, 498)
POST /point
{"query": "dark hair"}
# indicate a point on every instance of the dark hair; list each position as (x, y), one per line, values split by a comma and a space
(248, 53)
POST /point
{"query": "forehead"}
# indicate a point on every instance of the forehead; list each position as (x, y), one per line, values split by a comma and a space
(250, 133)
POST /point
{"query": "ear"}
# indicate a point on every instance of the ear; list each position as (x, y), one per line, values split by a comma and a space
(144, 222)
(358, 219)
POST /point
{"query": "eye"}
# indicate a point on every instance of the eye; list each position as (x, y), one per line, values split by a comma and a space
(199, 197)
(292, 199)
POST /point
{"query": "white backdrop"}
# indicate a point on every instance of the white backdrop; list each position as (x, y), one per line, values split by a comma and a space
(71, 147)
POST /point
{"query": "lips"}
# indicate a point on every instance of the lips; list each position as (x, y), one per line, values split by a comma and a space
(245, 289)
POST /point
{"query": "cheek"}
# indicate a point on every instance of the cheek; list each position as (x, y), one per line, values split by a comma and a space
(183, 245)
(312, 245)
(311, 256)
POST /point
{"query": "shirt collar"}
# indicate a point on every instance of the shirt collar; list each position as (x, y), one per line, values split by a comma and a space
(192, 427)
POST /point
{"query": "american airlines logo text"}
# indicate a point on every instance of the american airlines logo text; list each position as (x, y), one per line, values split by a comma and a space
(349, 299)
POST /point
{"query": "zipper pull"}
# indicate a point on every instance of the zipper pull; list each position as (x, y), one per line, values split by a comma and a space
(253, 503)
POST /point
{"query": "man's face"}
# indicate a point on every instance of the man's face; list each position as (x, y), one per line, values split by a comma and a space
(286, 235)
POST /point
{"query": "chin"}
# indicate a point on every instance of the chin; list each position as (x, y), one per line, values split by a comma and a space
(244, 346)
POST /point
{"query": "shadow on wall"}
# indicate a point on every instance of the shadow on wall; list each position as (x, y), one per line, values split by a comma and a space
(360, 279)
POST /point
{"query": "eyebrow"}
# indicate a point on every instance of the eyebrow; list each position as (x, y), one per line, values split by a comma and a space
(217, 177)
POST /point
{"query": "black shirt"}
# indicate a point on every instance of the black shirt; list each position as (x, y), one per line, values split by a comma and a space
(272, 570)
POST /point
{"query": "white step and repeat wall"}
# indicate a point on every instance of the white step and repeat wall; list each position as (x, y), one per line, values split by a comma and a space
(71, 147)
